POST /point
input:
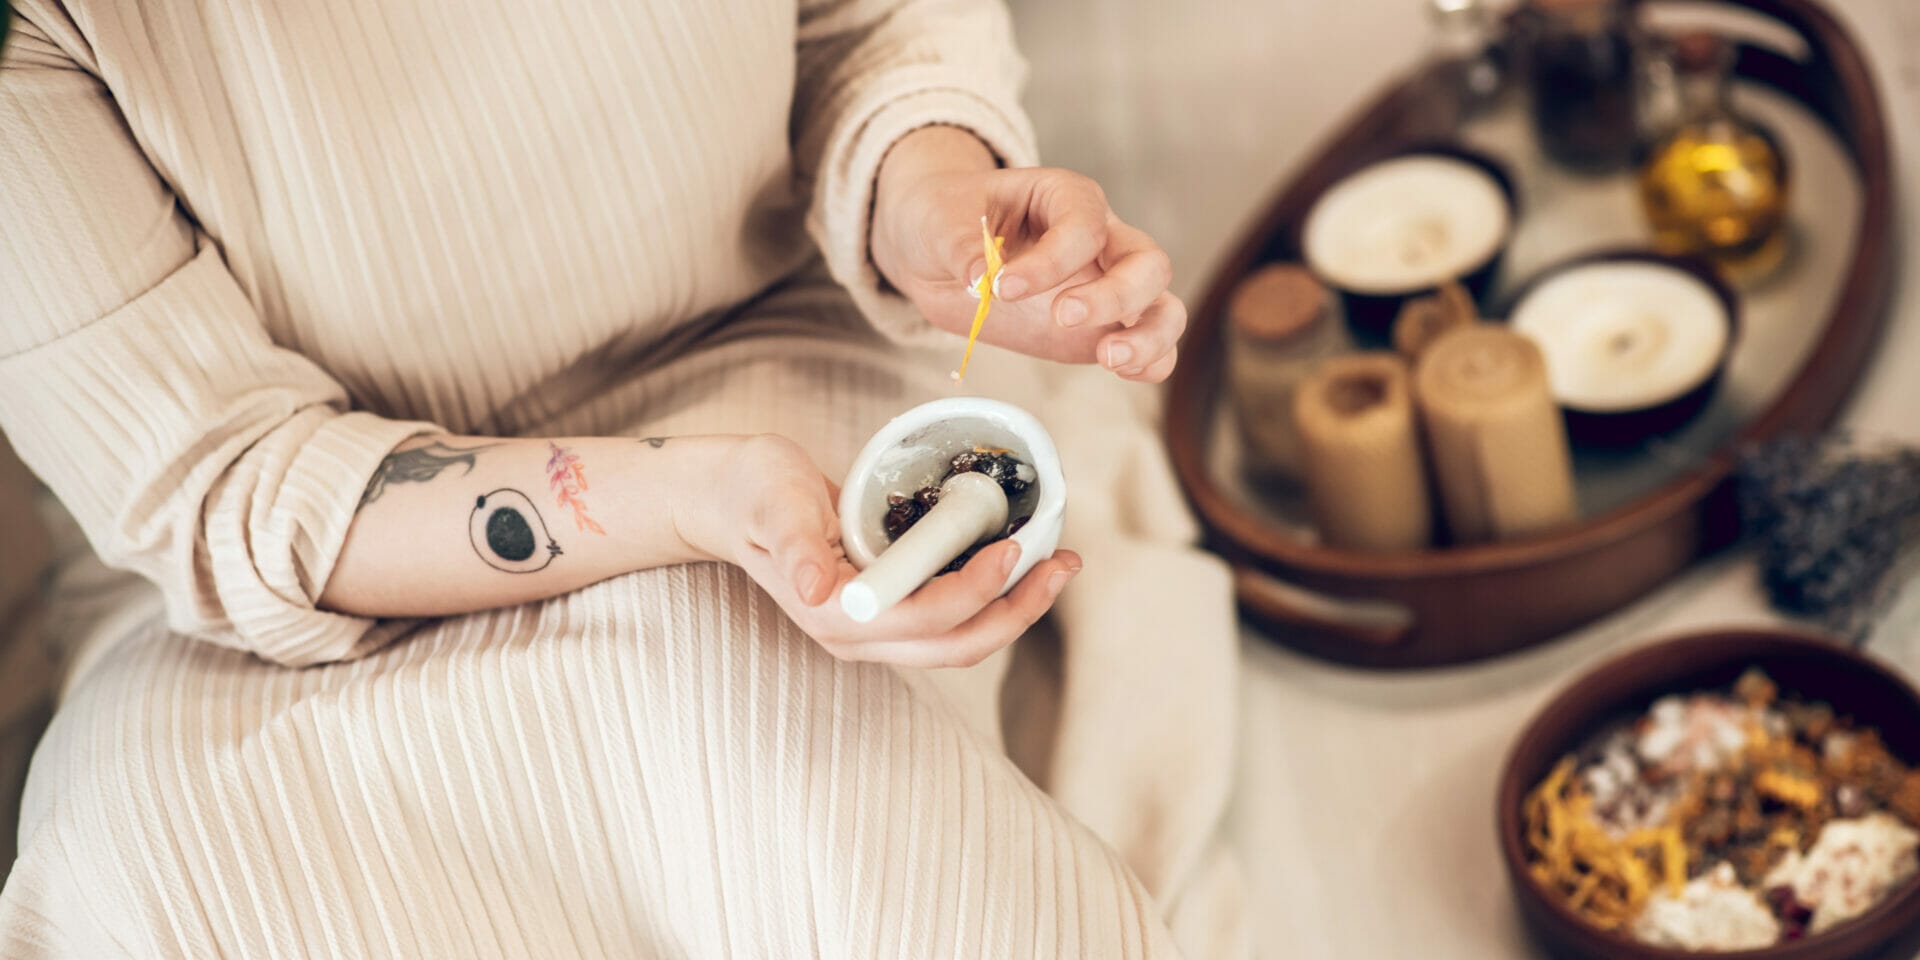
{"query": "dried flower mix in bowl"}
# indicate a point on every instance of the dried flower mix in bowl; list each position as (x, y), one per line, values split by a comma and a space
(1725, 820)
(1013, 475)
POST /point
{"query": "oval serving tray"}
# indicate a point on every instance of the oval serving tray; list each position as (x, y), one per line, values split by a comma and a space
(1647, 512)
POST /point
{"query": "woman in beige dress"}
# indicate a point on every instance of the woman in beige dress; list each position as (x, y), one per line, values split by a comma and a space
(466, 381)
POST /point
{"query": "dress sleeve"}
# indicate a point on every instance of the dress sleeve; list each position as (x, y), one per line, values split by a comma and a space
(137, 380)
(872, 71)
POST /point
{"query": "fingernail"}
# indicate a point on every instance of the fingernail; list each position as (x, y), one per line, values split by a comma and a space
(806, 579)
(1072, 311)
(973, 288)
(1058, 581)
(1009, 558)
(1074, 565)
(1118, 354)
(1009, 288)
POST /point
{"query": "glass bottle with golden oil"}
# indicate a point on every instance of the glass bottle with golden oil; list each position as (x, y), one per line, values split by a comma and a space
(1716, 185)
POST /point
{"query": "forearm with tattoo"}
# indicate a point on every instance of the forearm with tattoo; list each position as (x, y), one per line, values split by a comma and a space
(453, 524)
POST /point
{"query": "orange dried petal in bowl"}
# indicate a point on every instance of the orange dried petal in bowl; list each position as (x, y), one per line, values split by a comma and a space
(1787, 788)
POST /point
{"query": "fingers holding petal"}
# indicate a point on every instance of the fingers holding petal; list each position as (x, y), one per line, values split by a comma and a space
(1072, 216)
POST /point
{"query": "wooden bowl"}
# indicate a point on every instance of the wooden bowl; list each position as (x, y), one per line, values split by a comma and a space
(1630, 426)
(1811, 666)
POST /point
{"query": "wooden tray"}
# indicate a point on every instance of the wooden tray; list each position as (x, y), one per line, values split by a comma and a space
(1649, 512)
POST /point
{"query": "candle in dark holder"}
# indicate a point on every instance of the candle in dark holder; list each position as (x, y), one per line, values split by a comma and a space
(1634, 345)
(1401, 228)
(1582, 78)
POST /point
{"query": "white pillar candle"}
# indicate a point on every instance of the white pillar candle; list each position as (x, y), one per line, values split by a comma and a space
(1497, 443)
(972, 508)
(1625, 336)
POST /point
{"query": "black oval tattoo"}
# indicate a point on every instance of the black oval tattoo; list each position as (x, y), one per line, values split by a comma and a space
(509, 535)
(507, 532)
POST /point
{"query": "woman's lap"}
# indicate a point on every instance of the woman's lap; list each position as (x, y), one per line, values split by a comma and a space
(658, 764)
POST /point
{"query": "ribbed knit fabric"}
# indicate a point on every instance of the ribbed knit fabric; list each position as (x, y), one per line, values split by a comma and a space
(245, 248)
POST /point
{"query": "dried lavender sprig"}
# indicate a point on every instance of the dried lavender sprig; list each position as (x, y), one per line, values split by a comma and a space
(1832, 522)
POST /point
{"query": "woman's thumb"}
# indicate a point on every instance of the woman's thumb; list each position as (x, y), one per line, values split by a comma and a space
(798, 542)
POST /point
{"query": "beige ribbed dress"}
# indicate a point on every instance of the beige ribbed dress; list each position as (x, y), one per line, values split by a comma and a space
(247, 246)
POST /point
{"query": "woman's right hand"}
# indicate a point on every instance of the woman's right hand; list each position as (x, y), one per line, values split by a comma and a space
(773, 513)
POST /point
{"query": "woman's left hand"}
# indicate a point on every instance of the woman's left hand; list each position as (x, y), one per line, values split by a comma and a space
(1079, 284)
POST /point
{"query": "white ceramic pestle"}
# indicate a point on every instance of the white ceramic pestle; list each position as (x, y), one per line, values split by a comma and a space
(972, 507)
(916, 449)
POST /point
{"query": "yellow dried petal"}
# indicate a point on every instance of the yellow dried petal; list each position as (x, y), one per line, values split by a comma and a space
(994, 246)
(1675, 860)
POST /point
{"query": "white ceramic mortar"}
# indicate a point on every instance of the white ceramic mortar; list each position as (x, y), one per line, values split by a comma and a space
(916, 448)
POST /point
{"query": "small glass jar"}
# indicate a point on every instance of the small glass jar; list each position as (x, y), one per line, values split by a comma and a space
(1582, 76)
(1716, 184)
(1467, 58)
(1281, 323)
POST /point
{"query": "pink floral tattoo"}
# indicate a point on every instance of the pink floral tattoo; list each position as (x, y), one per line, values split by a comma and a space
(569, 478)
